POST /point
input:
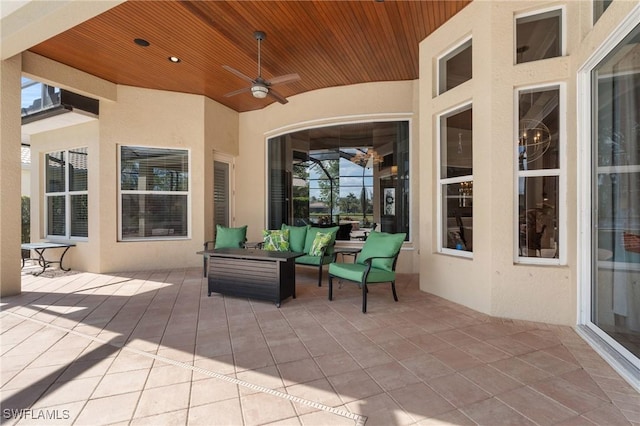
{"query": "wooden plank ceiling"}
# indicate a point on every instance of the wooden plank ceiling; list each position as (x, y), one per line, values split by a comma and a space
(328, 43)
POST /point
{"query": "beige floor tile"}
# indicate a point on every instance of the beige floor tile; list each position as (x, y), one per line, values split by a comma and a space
(437, 362)
(108, 410)
(493, 411)
(130, 361)
(324, 418)
(354, 385)
(163, 400)
(337, 363)
(174, 418)
(458, 390)
(164, 375)
(420, 401)
(70, 391)
(225, 412)
(455, 417)
(491, 380)
(569, 395)
(536, 406)
(318, 391)
(212, 390)
(380, 410)
(392, 376)
(267, 377)
(520, 370)
(301, 371)
(262, 408)
(124, 382)
(289, 352)
(427, 367)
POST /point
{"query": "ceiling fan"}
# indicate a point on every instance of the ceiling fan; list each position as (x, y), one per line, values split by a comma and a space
(260, 87)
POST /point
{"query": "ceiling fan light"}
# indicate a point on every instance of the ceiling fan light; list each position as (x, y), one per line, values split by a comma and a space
(259, 91)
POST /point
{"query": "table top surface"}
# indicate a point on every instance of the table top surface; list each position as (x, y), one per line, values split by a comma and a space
(45, 245)
(252, 254)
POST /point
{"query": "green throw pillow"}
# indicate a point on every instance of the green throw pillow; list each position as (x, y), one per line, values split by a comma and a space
(311, 236)
(230, 237)
(319, 243)
(381, 244)
(297, 237)
(277, 240)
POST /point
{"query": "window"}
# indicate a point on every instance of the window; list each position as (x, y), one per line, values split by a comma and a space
(354, 175)
(539, 36)
(66, 194)
(599, 6)
(615, 209)
(539, 172)
(154, 193)
(455, 67)
(456, 180)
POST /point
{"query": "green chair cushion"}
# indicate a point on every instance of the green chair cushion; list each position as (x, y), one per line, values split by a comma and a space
(381, 244)
(276, 240)
(311, 236)
(313, 260)
(320, 243)
(355, 272)
(230, 237)
(297, 237)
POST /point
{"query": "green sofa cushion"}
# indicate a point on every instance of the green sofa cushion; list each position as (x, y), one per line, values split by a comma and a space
(355, 272)
(311, 236)
(297, 237)
(381, 244)
(277, 240)
(313, 260)
(230, 237)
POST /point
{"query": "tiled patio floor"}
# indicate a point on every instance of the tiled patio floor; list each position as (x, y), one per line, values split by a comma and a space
(152, 348)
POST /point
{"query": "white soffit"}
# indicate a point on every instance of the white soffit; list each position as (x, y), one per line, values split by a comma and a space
(56, 122)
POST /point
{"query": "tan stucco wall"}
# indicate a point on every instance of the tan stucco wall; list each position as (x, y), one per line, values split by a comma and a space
(494, 281)
(362, 102)
(220, 137)
(10, 212)
(144, 117)
(84, 255)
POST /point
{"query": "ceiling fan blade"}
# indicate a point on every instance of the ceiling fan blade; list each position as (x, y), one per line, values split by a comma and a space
(237, 73)
(277, 96)
(237, 92)
(284, 79)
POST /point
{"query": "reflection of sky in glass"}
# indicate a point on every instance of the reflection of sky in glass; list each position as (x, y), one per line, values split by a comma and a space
(29, 94)
(350, 179)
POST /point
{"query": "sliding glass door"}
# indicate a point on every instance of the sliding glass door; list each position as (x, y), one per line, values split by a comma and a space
(615, 206)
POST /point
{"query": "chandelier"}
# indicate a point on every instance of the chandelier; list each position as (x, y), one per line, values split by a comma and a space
(367, 158)
(534, 139)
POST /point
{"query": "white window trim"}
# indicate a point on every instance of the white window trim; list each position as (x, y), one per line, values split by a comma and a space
(441, 182)
(563, 29)
(67, 198)
(187, 193)
(584, 94)
(448, 54)
(561, 173)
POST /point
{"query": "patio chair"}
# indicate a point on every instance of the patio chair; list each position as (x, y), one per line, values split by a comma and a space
(375, 264)
(225, 238)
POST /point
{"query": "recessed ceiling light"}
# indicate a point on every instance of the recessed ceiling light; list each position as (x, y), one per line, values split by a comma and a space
(174, 59)
(141, 42)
